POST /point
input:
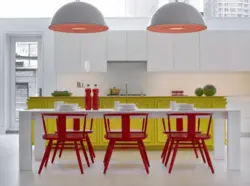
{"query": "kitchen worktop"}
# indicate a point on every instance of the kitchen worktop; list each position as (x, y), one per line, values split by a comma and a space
(156, 138)
(77, 97)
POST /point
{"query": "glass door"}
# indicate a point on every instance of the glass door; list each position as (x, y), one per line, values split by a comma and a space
(24, 75)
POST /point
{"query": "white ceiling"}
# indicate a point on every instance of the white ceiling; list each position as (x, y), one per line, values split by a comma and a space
(110, 8)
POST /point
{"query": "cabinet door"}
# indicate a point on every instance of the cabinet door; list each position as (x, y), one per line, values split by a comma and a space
(238, 50)
(186, 52)
(212, 51)
(117, 46)
(160, 52)
(67, 52)
(136, 45)
(94, 52)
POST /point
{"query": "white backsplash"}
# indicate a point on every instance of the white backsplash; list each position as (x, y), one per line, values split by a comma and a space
(135, 74)
(155, 84)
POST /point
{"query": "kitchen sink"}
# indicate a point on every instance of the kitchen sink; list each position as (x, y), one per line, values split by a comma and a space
(129, 95)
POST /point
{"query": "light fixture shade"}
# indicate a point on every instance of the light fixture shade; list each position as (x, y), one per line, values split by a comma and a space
(78, 17)
(177, 17)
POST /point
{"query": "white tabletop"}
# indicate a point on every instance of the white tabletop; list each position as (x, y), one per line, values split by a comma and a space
(137, 110)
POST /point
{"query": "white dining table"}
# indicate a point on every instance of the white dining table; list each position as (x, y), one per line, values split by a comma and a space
(232, 116)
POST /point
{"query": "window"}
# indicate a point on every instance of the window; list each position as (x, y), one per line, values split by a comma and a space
(26, 54)
(231, 8)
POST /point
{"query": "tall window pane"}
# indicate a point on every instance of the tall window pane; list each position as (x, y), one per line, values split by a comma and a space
(227, 8)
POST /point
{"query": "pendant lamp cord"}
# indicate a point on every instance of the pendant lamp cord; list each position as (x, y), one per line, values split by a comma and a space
(77, 0)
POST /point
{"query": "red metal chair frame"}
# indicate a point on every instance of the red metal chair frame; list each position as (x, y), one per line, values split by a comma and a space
(76, 128)
(183, 145)
(191, 135)
(119, 139)
(62, 136)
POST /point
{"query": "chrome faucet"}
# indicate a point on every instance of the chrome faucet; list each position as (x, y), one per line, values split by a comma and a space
(126, 88)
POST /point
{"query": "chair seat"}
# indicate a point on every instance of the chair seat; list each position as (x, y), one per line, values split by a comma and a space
(68, 137)
(184, 136)
(118, 136)
(75, 131)
(184, 131)
(131, 130)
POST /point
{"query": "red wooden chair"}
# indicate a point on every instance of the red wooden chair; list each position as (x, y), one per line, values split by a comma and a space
(183, 145)
(175, 139)
(126, 138)
(76, 128)
(62, 136)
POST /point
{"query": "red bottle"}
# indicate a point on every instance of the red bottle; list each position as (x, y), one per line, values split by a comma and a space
(95, 98)
(88, 98)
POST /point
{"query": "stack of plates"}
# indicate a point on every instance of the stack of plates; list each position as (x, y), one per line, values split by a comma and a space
(68, 107)
(127, 107)
(184, 107)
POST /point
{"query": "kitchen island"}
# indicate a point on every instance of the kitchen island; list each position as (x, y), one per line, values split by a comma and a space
(156, 138)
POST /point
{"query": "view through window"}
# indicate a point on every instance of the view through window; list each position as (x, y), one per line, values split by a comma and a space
(26, 57)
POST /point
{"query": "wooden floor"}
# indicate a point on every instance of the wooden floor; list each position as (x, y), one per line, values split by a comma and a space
(126, 169)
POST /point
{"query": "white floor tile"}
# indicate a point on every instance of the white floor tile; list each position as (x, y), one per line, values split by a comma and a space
(126, 169)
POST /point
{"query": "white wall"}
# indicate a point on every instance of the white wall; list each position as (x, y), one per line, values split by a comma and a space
(156, 84)
(24, 27)
(48, 80)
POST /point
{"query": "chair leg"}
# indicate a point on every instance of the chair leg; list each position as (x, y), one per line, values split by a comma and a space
(109, 154)
(195, 151)
(91, 149)
(169, 152)
(173, 157)
(143, 156)
(78, 157)
(165, 150)
(47, 159)
(61, 150)
(144, 152)
(55, 151)
(209, 162)
(85, 153)
(105, 156)
(201, 151)
(45, 156)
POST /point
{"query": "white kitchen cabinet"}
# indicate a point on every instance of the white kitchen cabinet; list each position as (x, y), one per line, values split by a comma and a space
(136, 45)
(160, 52)
(238, 50)
(94, 52)
(186, 52)
(117, 46)
(213, 51)
(67, 52)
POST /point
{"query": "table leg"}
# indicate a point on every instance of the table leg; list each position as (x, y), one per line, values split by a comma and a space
(39, 142)
(25, 146)
(219, 144)
(233, 138)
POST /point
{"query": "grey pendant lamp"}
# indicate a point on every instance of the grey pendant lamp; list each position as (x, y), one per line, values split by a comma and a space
(177, 17)
(78, 17)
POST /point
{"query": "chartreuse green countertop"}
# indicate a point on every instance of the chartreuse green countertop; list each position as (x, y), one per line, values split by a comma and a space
(156, 138)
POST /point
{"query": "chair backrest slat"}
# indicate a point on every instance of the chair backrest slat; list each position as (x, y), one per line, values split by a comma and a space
(191, 119)
(124, 118)
(61, 122)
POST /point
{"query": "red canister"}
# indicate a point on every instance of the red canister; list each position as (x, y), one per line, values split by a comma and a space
(95, 98)
(88, 97)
